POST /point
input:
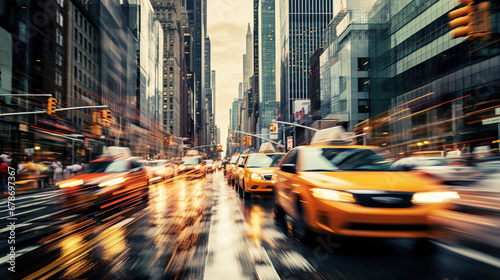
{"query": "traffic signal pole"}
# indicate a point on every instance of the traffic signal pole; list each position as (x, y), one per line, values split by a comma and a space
(256, 136)
(57, 110)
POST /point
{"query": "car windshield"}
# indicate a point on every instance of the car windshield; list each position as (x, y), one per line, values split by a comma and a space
(191, 160)
(344, 159)
(108, 166)
(233, 159)
(263, 161)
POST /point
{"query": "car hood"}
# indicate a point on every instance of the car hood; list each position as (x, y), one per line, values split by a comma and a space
(262, 171)
(371, 180)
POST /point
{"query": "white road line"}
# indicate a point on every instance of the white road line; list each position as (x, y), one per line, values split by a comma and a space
(19, 253)
(472, 254)
(123, 223)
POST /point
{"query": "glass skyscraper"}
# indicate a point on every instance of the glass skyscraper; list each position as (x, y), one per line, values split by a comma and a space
(302, 24)
(267, 73)
(428, 91)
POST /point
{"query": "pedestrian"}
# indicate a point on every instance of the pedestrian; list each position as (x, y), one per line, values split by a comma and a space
(4, 172)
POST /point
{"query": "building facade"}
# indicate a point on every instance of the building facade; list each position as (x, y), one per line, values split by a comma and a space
(301, 28)
(267, 69)
(428, 91)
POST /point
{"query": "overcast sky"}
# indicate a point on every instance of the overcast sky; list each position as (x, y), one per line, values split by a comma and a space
(227, 25)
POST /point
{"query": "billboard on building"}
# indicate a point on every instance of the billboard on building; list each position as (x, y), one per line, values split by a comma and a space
(302, 111)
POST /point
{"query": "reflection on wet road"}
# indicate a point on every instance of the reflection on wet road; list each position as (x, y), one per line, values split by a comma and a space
(200, 229)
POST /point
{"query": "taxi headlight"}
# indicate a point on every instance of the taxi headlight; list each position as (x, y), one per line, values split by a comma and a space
(70, 184)
(183, 167)
(112, 182)
(332, 195)
(256, 176)
(198, 166)
(432, 197)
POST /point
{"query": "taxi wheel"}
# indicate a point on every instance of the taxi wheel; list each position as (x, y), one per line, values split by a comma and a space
(300, 228)
(239, 190)
(278, 212)
(245, 194)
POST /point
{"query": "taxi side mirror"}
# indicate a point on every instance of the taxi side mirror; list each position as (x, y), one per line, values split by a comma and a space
(289, 168)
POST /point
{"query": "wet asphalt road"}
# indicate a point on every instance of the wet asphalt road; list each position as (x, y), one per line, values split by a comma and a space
(200, 229)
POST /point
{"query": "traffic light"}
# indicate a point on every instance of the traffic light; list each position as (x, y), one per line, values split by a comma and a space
(249, 141)
(244, 141)
(96, 129)
(272, 127)
(106, 114)
(94, 117)
(219, 148)
(233, 136)
(51, 105)
(471, 21)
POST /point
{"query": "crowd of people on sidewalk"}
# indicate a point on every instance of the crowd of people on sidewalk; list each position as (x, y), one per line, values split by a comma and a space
(32, 174)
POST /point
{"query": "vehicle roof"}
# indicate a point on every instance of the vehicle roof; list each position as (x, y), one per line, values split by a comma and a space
(339, 146)
(112, 158)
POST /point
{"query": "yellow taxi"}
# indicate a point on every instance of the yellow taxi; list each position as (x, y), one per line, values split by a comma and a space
(229, 169)
(335, 188)
(257, 171)
(237, 170)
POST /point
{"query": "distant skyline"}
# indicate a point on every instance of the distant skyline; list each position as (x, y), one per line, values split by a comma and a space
(227, 25)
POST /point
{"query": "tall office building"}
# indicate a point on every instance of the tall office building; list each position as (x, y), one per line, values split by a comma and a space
(196, 10)
(345, 64)
(267, 69)
(428, 91)
(207, 86)
(302, 24)
(168, 12)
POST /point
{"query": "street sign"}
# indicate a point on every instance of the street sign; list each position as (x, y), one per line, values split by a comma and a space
(273, 136)
(289, 142)
(497, 111)
(491, 120)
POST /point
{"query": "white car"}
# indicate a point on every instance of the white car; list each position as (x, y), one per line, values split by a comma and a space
(159, 169)
(447, 170)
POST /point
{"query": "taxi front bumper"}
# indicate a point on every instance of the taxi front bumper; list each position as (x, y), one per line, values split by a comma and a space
(258, 186)
(351, 219)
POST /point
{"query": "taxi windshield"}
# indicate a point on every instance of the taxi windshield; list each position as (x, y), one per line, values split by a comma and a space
(344, 159)
(263, 161)
(108, 166)
(191, 160)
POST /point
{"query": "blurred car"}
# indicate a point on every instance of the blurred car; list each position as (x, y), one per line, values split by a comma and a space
(108, 181)
(159, 169)
(334, 188)
(257, 172)
(209, 165)
(229, 169)
(447, 170)
(474, 219)
(192, 165)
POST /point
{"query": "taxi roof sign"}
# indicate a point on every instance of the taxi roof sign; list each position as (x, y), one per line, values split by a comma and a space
(267, 148)
(115, 151)
(333, 136)
(192, 153)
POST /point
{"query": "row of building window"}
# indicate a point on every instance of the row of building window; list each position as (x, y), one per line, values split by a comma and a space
(82, 59)
(86, 44)
(82, 77)
(84, 24)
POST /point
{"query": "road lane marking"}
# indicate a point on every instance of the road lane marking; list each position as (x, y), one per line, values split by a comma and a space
(471, 254)
(20, 253)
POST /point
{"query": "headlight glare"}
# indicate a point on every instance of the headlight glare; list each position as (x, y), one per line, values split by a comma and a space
(70, 184)
(433, 197)
(112, 182)
(256, 176)
(332, 195)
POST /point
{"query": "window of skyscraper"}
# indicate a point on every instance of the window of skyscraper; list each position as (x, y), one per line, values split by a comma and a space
(363, 64)
(363, 106)
(363, 85)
